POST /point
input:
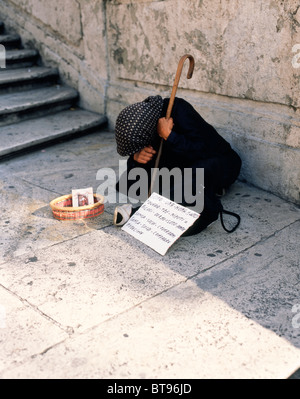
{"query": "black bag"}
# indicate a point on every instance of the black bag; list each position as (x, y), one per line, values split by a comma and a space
(213, 208)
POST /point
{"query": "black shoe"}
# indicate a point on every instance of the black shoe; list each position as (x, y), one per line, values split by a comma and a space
(204, 221)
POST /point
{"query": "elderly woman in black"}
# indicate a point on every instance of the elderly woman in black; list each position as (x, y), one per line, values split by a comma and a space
(189, 142)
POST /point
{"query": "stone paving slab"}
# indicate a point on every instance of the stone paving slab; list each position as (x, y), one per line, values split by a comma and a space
(216, 306)
(24, 332)
(27, 223)
(84, 281)
(182, 333)
(82, 290)
(263, 283)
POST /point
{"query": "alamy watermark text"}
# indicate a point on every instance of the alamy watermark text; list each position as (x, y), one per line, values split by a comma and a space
(181, 186)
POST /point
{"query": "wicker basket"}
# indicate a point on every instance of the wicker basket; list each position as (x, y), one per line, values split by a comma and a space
(62, 208)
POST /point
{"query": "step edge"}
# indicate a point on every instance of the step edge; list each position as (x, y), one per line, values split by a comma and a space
(64, 97)
(94, 116)
(36, 75)
(10, 36)
(68, 133)
(16, 55)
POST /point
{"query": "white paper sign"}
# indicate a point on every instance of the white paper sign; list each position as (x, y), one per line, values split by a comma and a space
(160, 222)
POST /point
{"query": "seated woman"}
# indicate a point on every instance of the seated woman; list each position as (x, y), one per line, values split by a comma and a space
(189, 142)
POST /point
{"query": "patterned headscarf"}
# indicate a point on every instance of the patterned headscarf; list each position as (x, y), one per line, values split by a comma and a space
(136, 125)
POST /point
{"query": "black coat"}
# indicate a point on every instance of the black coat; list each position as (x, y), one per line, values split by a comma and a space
(194, 143)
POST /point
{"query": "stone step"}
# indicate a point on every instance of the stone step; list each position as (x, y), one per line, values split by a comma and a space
(29, 135)
(35, 110)
(21, 58)
(15, 107)
(10, 41)
(13, 80)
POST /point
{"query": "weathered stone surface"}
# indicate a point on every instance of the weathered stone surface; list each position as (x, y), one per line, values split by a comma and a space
(246, 79)
(267, 302)
(21, 58)
(64, 18)
(93, 23)
(40, 331)
(8, 77)
(234, 66)
(27, 222)
(9, 41)
(182, 333)
(20, 136)
(16, 106)
(80, 296)
(27, 78)
(236, 49)
(260, 157)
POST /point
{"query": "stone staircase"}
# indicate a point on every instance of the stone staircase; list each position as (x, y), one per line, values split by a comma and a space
(35, 109)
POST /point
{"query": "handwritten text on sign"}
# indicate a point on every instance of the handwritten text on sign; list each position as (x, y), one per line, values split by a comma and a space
(160, 222)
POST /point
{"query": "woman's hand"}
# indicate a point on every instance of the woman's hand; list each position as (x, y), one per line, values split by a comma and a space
(145, 155)
(164, 127)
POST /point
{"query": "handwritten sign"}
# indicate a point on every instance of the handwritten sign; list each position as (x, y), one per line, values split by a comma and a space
(160, 222)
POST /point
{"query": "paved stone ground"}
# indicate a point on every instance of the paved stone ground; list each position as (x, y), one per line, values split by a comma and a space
(85, 300)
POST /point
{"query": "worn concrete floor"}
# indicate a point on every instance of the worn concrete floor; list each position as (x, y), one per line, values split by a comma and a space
(86, 300)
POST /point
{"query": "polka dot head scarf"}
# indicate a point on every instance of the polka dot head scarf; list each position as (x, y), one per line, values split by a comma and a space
(136, 125)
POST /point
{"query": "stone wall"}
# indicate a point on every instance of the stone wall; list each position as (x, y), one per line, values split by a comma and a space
(246, 79)
(69, 34)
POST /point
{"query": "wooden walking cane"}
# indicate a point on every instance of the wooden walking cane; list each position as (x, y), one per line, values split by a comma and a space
(170, 107)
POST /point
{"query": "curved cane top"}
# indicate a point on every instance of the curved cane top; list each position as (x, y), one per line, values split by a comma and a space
(177, 79)
(191, 67)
